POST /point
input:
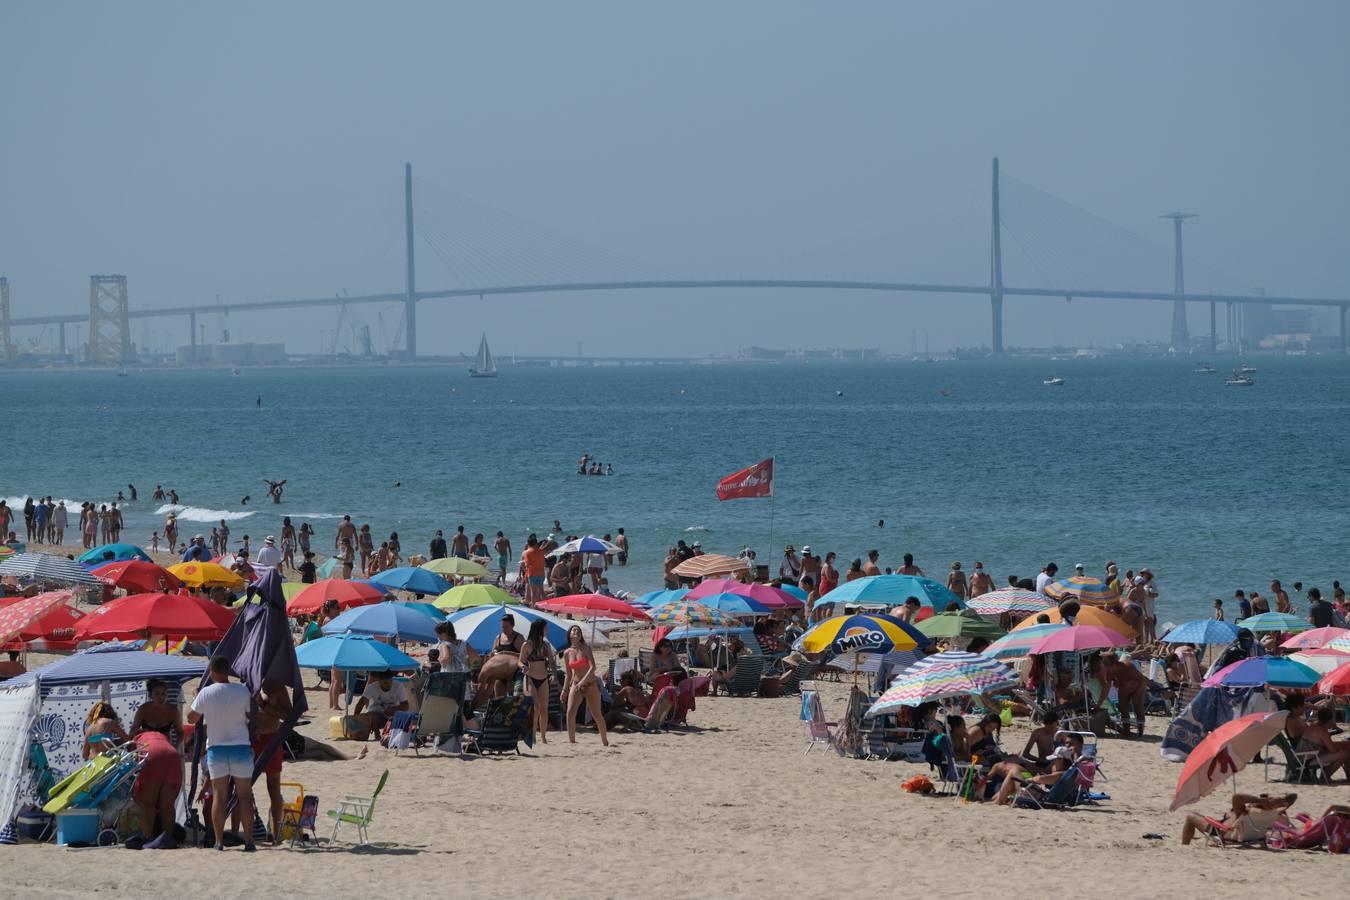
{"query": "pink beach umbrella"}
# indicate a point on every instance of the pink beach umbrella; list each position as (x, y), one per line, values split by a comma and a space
(766, 594)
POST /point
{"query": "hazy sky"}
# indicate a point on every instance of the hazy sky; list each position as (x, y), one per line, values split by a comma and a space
(256, 150)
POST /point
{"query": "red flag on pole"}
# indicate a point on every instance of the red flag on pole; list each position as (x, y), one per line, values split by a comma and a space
(756, 481)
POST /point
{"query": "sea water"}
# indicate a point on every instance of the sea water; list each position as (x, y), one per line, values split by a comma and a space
(1143, 462)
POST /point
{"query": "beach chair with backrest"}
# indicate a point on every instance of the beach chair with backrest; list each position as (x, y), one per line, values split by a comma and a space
(937, 751)
(745, 683)
(803, 671)
(357, 811)
(404, 731)
(645, 655)
(1300, 766)
(818, 732)
(303, 819)
(499, 728)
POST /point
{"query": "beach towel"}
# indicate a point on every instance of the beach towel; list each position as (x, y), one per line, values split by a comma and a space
(1210, 709)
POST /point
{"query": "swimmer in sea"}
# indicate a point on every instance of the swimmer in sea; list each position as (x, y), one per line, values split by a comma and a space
(881, 523)
(159, 493)
(132, 488)
(274, 489)
(173, 496)
(244, 502)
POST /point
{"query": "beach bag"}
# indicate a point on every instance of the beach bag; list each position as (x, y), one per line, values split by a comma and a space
(919, 784)
(1338, 834)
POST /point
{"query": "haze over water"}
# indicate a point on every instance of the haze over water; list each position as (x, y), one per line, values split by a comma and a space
(1142, 462)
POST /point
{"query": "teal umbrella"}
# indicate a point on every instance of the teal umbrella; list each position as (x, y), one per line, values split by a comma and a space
(120, 553)
(353, 652)
(1273, 621)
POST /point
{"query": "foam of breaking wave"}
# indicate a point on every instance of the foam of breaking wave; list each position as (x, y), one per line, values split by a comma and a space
(197, 514)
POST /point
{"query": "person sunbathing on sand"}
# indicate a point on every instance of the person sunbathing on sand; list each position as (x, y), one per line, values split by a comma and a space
(1248, 819)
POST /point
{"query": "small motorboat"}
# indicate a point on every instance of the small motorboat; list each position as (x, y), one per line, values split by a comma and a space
(1205, 369)
(1054, 380)
(1245, 370)
(1241, 379)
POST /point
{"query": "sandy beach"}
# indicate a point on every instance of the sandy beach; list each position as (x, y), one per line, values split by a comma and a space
(730, 807)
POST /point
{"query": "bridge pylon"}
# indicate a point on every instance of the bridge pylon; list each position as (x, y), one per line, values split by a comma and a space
(8, 352)
(109, 326)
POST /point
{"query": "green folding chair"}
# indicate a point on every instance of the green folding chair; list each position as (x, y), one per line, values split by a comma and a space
(357, 811)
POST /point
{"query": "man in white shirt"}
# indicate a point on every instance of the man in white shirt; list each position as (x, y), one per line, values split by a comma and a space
(224, 708)
(383, 697)
(269, 555)
(1047, 575)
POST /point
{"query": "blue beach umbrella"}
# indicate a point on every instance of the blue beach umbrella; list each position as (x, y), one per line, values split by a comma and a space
(480, 625)
(1258, 671)
(657, 598)
(794, 591)
(331, 568)
(1202, 631)
(1274, 621)
(893, 590)
(394, 620)
(588, 544)
(425, 609)
(413, 579)
(735, 604)
(120, 553)
(352, 653)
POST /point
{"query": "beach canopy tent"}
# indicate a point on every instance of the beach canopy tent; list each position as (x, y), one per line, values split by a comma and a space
(44, 568)
(51, 704)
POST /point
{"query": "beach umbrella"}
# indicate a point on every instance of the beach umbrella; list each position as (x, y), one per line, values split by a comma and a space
(1012, 601)
(710, 565)
(943, 676)
(1223, 753)
(596, 606)
(1259, 671)
(311, 597)
(1086, 588)
(137, 576)
(480, 625)
(353, 653)
(1088, 615)
(1340, 644)
(385, 620)
(860, 633)
(467, 595)
(691, 612)
(411, 579)
(288, 590)
(734, 604)
(1335, 682)
(51, 629)
(208, 575)
(455, 567)
(1016, 644)
(120, 553)
(1080, 638)
(793, 591)
(765, 595)
(1274, 621)
(959, 624)
(656, 598)
(894, 590)
(426, 609)
(47, 569)
(1314, 639)
(330, 568)
(1323, 661)
(1202, 631)
(588, 544)
(6, 552)
(138, 615)
(25, 611)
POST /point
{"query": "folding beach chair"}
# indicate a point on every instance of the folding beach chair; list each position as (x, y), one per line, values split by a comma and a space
(745, 683)
(803, 671)
(500, 725)
(303, 819)
(818, 732)
(357, 811)
(1300, 766)
(403, 732)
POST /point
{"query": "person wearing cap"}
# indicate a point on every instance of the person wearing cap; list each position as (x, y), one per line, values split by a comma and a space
(697, 548)
(980, 582)
(197, 551)
(790, 569)
(1078, 568)
(268, 554)
(810, 567)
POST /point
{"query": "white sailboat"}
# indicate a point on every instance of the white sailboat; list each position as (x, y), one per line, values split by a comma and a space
(483, 366)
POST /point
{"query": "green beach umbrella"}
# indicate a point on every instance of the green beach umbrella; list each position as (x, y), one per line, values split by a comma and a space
(955, 624)
(467, 595)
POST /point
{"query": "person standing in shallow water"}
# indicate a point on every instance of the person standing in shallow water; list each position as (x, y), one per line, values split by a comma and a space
(956, 581)
(980, 582)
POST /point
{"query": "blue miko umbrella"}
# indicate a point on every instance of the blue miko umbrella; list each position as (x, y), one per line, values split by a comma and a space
(894, 590)
(394, 620)
(120, 553)
(413, 579)
(1202, 631)
(352, 653)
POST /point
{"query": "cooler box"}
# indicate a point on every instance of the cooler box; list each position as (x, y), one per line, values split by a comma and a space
(34, 825)
(77, 826)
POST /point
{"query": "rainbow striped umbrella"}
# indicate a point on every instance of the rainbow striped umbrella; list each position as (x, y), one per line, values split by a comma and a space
(1085, 587)
(688, 612)
(1016, 644)
(944, 675)
(1014, 601)
(860, 633)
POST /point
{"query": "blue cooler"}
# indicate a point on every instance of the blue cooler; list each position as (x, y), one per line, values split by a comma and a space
(33, 825)
(77, 826)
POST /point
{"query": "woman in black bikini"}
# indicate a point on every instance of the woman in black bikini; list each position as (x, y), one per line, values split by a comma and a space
(538, 665)
(158, 714)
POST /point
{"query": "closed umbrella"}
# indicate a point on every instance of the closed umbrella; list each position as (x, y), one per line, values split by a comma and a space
(467, 595)
(943, 676)
(120, 553)
(330, 568)
(1202, 631)
(207, 575)
(173, 615)
(412, 579)
(385, 620)
(1223, 753)
(137, 577)
(44, 568)
(353, 653)
(312, 597)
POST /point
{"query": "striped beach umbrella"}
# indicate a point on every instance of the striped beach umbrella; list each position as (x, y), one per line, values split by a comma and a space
(1013, 601)
(942, 676)
(47, 569)
(1323, 661)
(691, 612)
(860, 633)
(710, 565)
(1274, 621)
(1016, 644)
(1315, 639)
(1259, 671)
(1084, 587)
(480, 625)
(1202, 631)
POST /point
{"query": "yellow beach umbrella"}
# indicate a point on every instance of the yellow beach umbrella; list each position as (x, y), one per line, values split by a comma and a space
(207, 575)
(455, 567)
(1087, 615)
(467, 595)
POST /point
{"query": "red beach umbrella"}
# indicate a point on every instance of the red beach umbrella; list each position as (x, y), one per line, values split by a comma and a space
(139, 615)
(1223, 752)
(53, 629)
(596, 605)
(17, 616)
(137, 576)
(346, 593)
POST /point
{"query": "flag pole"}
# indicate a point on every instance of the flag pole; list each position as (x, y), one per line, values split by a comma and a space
(773, 463)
